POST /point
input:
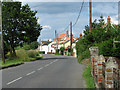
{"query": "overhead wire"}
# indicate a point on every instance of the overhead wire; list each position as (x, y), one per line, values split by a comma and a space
(79, 14)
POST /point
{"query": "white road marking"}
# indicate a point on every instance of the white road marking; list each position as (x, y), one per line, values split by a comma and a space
(47, 65)
(14, 80)
(40, 68)
(30, 73)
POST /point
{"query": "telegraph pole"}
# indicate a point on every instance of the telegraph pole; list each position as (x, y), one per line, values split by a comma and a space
(71, 38)
(2, 45)
(57, 40)
(90, 14)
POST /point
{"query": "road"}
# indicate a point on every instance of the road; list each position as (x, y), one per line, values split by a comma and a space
(50, 72)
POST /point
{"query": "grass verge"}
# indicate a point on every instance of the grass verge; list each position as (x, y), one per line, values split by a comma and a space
(18, 61)
(88, 78)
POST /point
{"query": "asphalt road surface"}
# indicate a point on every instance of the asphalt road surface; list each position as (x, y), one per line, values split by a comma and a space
(50, 72)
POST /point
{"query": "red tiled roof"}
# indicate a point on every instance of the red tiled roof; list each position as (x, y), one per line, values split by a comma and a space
(54, 39)
(67, 38)
(61, 36)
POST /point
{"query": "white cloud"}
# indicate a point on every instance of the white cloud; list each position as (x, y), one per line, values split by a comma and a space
(114, 21)
(46, 27)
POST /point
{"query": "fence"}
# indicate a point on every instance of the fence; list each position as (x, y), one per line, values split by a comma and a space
(105, 70)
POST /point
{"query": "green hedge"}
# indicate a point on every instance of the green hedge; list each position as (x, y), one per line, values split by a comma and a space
(41, 52)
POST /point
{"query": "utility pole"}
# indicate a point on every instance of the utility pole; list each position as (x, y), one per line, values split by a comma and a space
(71, 38)
(56, 37)
(90, 14)
(2, 45)
(57, 40)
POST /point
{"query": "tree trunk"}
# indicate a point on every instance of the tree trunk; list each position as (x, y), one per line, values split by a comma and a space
(11, 51)
(14, 53)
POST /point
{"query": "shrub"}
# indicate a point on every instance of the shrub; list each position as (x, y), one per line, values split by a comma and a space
(84, 55)
(26, 46)
(32, 53)
(34, 45)
(18, 47)
(65, 52)
(22, 54)
(41, 52)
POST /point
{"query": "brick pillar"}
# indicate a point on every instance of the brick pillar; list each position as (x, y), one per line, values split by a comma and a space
(110, 64)
(93, 57)
(100, 69)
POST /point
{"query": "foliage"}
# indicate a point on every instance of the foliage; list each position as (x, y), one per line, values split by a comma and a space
(62, 49)
(34, 45)
(100, 36)
(84, 55)
(26, 46)
(41, 52)
(16, 20)
(22, 56)
(88, 78)
(57, 50)
(32, 53)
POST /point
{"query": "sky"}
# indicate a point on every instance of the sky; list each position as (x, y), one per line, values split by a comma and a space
(57, 15)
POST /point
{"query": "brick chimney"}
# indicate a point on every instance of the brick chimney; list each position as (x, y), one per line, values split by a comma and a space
(80, 35)
(108, 19)
(67, 34)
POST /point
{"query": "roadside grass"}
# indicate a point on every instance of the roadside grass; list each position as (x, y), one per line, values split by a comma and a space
(22, 56)
(88, 78)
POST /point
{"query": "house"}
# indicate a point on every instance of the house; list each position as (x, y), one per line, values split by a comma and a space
(64, 41)
(47, 47)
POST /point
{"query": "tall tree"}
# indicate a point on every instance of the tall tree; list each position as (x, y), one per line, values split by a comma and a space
(10, 20)
(19, 25)
(29, 25)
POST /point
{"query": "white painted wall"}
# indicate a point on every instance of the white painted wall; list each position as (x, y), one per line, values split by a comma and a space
(47, 48)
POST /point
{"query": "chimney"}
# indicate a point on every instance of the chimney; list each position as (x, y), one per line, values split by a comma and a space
(67, 34)
(108, 19)
(80, 35)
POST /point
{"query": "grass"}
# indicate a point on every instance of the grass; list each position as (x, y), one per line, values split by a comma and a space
(10, 63)
(22, 56)
(88, 78)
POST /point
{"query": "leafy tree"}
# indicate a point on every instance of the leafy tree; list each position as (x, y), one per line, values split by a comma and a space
(10, 20)
(100, 36)
(28, 25)
(19, 25)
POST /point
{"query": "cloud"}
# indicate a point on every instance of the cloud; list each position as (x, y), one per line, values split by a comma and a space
(46, 27)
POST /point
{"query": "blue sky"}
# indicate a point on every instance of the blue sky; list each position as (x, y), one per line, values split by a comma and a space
(57, 15)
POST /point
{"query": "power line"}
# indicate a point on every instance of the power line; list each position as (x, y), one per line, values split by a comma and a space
(79, 14)
(65, 28)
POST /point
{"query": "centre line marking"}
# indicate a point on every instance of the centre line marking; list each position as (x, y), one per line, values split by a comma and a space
(14, 80)
(40, 68)
(46, 65)
(31, 73)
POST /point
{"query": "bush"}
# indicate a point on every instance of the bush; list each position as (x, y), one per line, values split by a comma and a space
(34, 45)
(65, 52)
(41, 52)
(84, 55)
(22, 54)
(32, 53)
(26, 46)
(18, 47)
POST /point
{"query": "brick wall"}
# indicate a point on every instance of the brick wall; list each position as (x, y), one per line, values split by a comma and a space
(105, 71)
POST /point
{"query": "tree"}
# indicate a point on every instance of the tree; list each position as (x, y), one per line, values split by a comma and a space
(10, 20)
(16, 20)
(28, 25)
